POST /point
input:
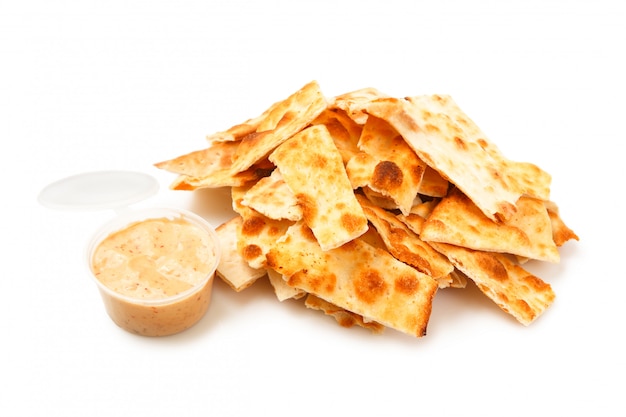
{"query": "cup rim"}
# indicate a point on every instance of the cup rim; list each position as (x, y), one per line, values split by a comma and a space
(131, 216)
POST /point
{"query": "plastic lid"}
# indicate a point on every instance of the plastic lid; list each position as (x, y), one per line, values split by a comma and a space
(98, 190)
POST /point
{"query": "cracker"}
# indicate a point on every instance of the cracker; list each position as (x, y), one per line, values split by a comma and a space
(202, 163)
(257, 233)
(418, 215)
(281, 289)
(344, 317)
(515, 290)
(344, 131)
(472, 163)
(272, 197)
(561, 233)
(354, 103)
(285, 119)
(378, 287)
(404, 244)
(241, 130)
(527, 233)
(313, 169)
(379, 199)
(232, 268)
(221, 178)
(387, 164)
(433, 184)
(211, 168)
(524, 177)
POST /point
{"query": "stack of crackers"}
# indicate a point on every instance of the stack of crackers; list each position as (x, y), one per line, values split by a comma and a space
(366, 205)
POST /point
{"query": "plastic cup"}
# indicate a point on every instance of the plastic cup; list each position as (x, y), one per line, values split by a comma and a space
(161, 316)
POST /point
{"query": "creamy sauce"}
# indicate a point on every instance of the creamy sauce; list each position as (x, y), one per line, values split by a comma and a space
(154, 259)
(150, 261)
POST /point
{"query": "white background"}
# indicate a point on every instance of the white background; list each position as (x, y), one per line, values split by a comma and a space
(87, 85)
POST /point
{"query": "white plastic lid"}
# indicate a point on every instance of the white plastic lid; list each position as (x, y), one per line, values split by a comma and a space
(98, 190)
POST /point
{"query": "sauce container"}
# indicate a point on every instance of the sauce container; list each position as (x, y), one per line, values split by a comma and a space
(155, 267)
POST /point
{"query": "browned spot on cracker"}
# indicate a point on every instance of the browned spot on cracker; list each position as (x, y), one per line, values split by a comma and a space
(460, 143)
(351, 222)
(407, 285)
(251, 252)
(252, 226)
(525, 309)
(369, 286)
(318, 283)
(387, 175)
(536, 284)
(487, 262)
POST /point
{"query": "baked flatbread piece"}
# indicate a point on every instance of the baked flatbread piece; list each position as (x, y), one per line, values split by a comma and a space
(344, 131)
(444, 141)
(355, 102)
(281, 289)
(283, 121)
(257, 233)
(561, 233)
(313, 169)
(241, 130)
(515, 290)
(211, 168)
(272, 197)
(386, 164)
(356, 277)
(232, 268)
(433, 184)
(527, 233)
(344, 317)
(404, 244)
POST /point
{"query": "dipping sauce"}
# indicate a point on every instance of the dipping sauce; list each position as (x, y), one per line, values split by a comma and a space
(155, 275)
